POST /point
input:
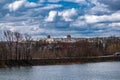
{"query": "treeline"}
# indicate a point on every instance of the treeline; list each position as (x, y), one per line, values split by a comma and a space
(65, 50)
(82, 48)
(15, 46)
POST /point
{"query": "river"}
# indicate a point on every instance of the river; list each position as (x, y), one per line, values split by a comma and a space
(87, 71)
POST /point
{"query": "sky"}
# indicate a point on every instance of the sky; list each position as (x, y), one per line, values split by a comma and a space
(58, 18)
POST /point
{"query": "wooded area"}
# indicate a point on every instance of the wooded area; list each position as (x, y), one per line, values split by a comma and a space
(17, 46)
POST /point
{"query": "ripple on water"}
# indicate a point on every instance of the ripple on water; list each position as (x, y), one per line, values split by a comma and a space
(89, 71)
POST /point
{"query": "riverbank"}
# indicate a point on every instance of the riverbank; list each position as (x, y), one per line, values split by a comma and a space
(11, 63)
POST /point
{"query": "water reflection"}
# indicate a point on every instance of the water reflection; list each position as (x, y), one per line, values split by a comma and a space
(90, 71)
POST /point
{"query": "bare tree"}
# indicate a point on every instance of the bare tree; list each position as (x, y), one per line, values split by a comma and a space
(18, 39)
(9, 38)
(28, 46)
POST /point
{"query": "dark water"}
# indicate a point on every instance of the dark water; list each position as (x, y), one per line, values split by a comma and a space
(89, 71)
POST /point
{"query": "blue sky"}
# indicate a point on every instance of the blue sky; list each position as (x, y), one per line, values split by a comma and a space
(79, 18)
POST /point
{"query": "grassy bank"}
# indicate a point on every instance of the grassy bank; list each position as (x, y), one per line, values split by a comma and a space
(10, 63)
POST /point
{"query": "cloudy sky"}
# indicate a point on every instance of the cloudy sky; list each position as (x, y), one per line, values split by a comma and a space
(79, 18)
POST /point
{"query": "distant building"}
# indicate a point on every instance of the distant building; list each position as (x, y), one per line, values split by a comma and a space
(48, 36)
(68, 36)
(68, 39)
(49, 39)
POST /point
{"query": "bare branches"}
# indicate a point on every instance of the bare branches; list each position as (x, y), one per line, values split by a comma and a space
(15, 46)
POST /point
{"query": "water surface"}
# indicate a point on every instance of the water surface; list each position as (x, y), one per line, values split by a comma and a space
(89, 71)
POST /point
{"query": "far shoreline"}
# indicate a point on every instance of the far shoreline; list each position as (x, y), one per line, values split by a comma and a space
(61, 61)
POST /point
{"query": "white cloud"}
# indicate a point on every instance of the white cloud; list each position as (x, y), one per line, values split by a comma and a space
(115, 24)
(99, 8)
(102, 18)
(78, 23)
(28, 28)
(7, 26)
(68, 14)
(30, 4)
(51, 6)
(16, 5)
(52, 16)
(94, 20)
(91, 18)
(20, 3)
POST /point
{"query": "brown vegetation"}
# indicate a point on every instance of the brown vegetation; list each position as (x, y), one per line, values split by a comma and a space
(16, 46)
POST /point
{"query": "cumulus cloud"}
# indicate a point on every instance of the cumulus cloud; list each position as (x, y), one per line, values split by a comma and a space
(51, 6)
(115, 24)
(16, 5)
(99, 8)
(101, 22)
(68, 14)
(30, 4)
(81, 19)
(52, 16)
(112, 4)
(78, 23)
(20, 3)
(102, 18)
(30, 29)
